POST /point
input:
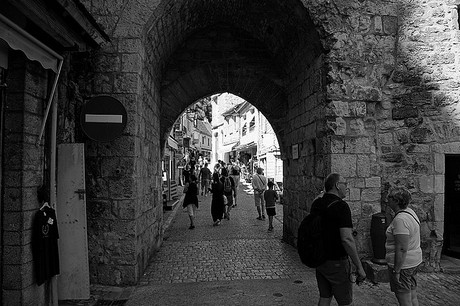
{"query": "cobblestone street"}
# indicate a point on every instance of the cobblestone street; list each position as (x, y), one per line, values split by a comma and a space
(240, 263)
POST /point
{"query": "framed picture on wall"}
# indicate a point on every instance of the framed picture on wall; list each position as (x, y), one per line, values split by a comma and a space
(295, 151)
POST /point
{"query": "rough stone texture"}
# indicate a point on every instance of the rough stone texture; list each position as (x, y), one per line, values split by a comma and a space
(365, 88)
(376, 273)
(23, 173)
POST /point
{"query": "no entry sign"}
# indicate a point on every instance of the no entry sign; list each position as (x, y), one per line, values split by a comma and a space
(103, 118)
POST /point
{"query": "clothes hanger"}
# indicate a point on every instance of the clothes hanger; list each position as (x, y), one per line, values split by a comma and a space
(45, 205)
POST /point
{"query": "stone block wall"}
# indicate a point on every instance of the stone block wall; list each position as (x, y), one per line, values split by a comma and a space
(372, 95)
(336, 125)
(23, 171)
(302, 176)
(418, 123)
(125, 216)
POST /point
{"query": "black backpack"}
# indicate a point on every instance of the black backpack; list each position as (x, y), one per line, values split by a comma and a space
(227, 185)
(310, 241)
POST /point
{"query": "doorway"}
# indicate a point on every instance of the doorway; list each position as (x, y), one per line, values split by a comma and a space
(452, 206)
(2, 102)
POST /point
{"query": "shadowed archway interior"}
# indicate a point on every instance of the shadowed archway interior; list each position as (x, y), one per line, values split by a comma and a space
(251, 49)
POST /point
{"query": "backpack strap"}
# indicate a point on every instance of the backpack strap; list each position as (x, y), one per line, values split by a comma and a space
(404, 211)
(332, 203)
(263, 185)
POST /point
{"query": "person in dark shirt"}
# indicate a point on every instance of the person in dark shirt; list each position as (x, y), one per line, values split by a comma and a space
(229, 191)
(186, 174)
(270, 197)
(191, 200)
(217, 203)
(333, 277)
(205, 177)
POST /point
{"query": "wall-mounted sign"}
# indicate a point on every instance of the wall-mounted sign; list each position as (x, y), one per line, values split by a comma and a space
(186, 142)
(103, 118)
(295, 151)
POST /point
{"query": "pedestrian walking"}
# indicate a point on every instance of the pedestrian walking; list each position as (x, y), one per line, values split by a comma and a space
(270, 197)
(217, 167)
(259, 184)
(205, 179)
(186, 173)
(217, 202)
(235, 173)
(403, 252)
(333, 276)
(191, 200)
(229, 191)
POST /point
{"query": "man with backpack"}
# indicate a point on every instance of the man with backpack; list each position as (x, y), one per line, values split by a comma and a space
(205, 178)
(229, 191)
(333, 275)
(235, 173)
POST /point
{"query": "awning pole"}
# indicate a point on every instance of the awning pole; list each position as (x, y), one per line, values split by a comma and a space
(50, 101)
(53, 186)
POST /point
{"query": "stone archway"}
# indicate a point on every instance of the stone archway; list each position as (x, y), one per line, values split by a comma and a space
(268, 53)
(278, 56)
(157, 64)
(333, 78)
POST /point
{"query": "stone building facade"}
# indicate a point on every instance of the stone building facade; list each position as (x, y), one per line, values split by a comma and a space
(368, 89)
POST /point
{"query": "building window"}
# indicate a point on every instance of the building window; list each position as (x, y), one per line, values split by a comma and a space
(243, 132)
(252, 124)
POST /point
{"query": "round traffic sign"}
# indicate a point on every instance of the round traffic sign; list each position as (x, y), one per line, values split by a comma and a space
(103, 118)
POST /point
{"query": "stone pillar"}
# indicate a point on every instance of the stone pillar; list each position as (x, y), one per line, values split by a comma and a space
(23, 172)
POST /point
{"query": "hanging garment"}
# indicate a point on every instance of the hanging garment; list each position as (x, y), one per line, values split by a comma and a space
(45, 244)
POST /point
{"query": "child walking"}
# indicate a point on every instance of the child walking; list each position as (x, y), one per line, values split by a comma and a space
(191, 200)
(270, 197)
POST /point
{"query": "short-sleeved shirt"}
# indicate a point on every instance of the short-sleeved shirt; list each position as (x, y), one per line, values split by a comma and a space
(404, 224)
(259, 182)
(205, 174)
(270, 197)
(337, 216)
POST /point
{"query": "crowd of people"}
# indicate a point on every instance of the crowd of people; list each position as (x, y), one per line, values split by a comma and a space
(223, 184)
(403, 251)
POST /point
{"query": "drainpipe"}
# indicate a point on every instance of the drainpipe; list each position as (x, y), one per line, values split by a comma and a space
(54, 116)
(51, 103)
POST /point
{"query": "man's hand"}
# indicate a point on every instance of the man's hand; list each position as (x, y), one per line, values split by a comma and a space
(361, 276)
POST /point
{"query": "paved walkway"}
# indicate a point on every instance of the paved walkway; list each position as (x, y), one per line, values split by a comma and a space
(240, 263)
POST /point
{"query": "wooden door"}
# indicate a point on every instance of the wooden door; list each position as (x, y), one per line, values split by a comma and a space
(73, 281)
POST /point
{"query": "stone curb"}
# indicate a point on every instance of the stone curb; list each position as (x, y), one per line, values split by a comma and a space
(168, 221)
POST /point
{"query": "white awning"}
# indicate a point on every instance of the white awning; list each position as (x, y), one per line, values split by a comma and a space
(245, 146)
(172, 143)
(18, 39)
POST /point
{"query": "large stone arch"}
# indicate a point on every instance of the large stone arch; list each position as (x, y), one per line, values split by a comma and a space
(331, 79)
(271, 54)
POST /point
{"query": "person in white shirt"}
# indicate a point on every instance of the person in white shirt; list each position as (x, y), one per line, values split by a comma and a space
(403, 252)
(259, 184)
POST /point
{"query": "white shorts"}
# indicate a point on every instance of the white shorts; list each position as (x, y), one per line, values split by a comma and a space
(191, 209)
